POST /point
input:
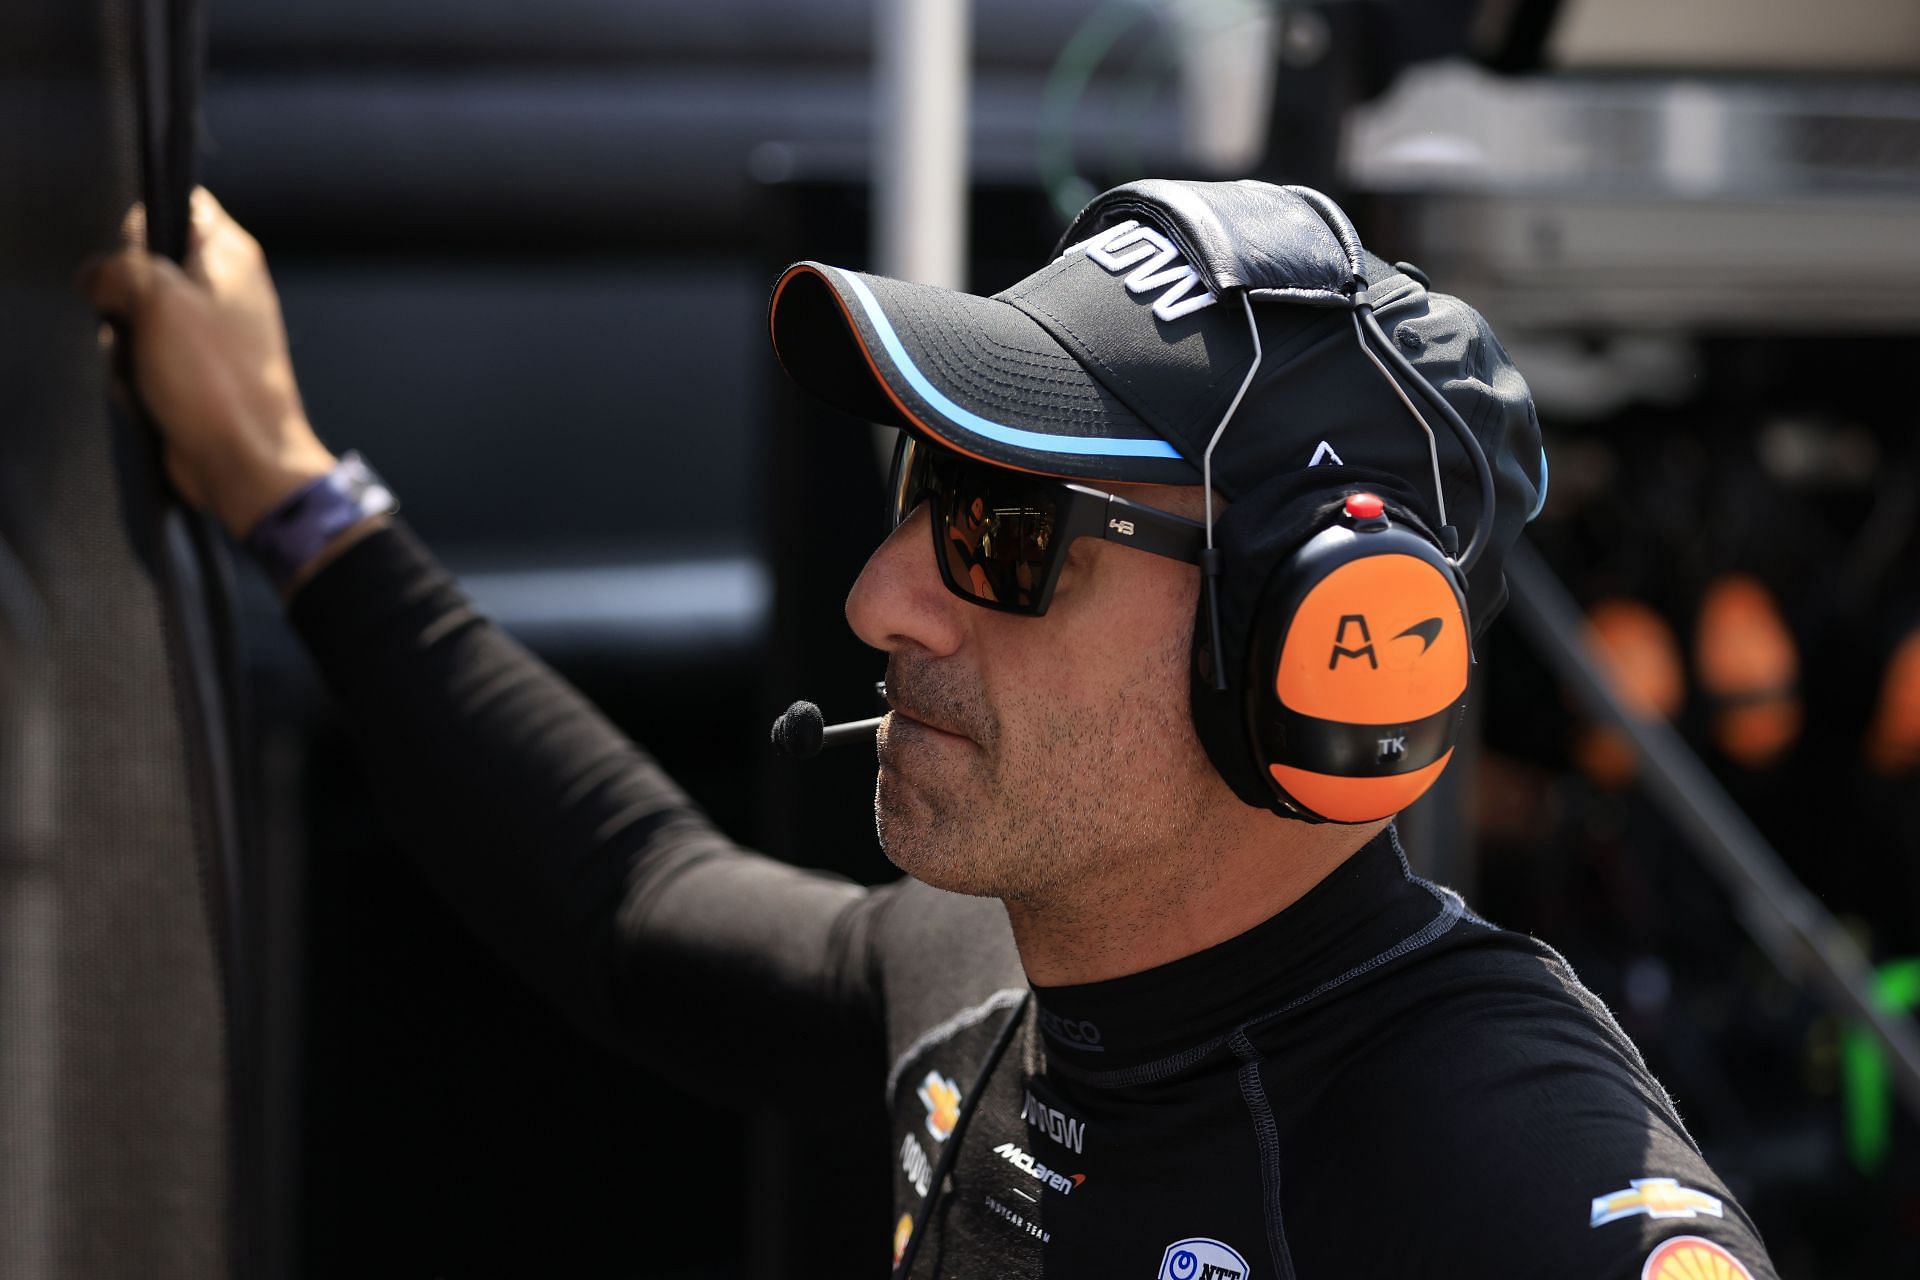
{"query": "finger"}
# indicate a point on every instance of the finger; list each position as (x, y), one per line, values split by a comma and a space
(204, 216)
(133, 225)
(206, 206)
(120, 283)
(124, 284)
(215, 238)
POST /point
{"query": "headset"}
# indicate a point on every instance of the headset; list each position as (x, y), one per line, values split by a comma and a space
(1332, 646)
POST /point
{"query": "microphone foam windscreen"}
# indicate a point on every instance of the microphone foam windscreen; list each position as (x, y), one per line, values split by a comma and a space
(799, 731)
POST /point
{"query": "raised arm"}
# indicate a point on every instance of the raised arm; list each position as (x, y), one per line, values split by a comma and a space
(559, 839)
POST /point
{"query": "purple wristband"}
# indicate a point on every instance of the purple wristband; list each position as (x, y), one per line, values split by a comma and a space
(293, 533)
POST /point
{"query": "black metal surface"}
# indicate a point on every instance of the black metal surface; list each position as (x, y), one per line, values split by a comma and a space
(113, 1048)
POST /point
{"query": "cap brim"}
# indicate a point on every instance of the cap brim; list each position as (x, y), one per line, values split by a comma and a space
(975, 374)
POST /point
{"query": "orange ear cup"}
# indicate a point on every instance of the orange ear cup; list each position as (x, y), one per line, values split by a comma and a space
(1750, 667)
(1379, 641)
(1642, 658)
(1357, 799)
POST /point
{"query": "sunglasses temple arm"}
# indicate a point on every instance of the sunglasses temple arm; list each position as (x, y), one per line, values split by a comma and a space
(1152, 530)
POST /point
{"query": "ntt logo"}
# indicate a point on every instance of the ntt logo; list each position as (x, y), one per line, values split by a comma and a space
(1202, 1258)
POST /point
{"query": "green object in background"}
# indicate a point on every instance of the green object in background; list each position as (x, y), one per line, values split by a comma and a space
(1896, 989)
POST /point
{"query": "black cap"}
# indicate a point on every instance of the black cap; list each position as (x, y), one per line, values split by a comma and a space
(1117, 360)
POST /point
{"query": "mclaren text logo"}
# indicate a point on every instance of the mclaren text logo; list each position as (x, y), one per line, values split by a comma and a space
(1064, 1183)
(1150, 262)
(1058, 1125)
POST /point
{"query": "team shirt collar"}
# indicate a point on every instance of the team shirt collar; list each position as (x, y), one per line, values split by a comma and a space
(1361, 912)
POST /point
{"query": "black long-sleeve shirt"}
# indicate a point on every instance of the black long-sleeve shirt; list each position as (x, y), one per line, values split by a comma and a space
(1374, 1082)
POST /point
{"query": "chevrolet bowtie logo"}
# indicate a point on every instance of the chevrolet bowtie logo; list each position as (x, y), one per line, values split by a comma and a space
(941, 1097)
(1655, 1197)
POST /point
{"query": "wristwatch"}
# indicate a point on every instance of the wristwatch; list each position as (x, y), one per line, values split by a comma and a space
(288, 538)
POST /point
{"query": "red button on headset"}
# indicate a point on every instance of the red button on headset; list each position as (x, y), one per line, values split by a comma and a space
(1365, 506)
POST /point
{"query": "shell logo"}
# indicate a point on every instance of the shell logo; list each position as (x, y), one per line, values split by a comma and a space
(902, 1232)
(941, 1097)
(1692, 1258)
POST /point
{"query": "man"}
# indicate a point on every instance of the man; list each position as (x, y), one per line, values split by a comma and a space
(1201, 1033)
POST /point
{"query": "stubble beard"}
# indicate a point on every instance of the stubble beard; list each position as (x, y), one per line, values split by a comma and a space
(1064, 805)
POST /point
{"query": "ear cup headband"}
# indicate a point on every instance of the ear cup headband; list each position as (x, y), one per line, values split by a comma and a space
(1290, 581)
(1347, 650)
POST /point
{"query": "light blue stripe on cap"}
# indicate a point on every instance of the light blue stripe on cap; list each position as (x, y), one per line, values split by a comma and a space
(1540, 503)
(1082, 445)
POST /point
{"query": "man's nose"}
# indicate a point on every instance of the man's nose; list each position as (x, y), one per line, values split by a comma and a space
(898, 601)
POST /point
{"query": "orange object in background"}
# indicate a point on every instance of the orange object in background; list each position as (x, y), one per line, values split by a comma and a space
(1642, 657)
(1749, 666)
(1893, 741)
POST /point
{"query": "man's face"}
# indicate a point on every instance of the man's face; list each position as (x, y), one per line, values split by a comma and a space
(1037, 759)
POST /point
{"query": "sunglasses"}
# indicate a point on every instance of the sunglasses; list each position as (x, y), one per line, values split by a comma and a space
(1000, 537)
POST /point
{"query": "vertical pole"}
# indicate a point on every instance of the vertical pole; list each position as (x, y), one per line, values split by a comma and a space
(922, 49)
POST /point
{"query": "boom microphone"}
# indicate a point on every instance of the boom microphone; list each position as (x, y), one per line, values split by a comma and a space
(801, 731)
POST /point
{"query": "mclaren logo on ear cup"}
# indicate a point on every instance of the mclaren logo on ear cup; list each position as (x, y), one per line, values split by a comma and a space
(1417, 666)
(1369, 678)
(1426, 631)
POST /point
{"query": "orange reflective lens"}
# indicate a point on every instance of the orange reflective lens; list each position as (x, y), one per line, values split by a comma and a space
(1000, 536)
(993, 530)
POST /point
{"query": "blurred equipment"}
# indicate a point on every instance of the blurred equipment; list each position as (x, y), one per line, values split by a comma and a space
(1637, 649)
(1565, 203)
(1896, 988)
(1749, 668)
(1893, 742)
(1796, 932)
